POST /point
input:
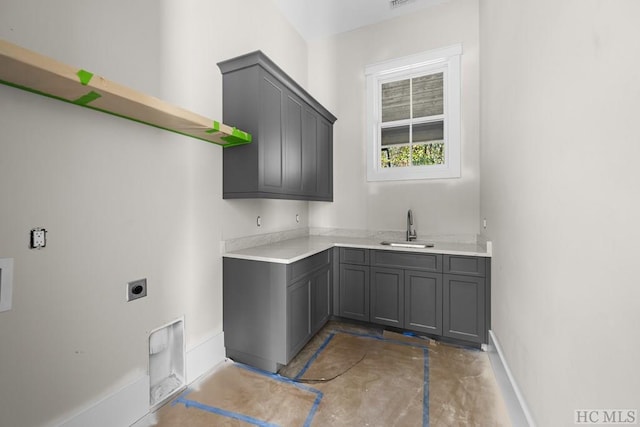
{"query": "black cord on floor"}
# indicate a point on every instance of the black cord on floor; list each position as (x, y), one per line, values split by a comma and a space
(326, 380)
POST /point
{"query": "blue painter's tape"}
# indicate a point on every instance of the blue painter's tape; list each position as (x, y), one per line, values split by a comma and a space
(280, 378)
(314, 409)
(315, 356)
(183, 395)
(425, 352)
(224, 413)
(425, 398)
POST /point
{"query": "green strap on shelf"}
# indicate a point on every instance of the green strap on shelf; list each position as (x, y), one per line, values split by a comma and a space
(85, 99)
(237, 137)
(241, 135)
(215, 128)
(84, 76)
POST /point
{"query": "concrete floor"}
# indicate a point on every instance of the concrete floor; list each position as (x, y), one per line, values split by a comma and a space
(348, 375)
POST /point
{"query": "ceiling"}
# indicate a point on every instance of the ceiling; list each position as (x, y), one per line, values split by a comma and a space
(316, 19)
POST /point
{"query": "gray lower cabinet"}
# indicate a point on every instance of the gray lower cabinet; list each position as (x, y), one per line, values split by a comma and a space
(387, 296)
(271, 310)
(320, 298)
(291, 154)
(464, 308)
(354, 292)
(406, 290)
(423, 302)
(444, 295)
(298, 316)
(466, 311)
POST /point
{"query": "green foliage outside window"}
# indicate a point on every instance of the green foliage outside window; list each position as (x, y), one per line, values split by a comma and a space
(421, 155)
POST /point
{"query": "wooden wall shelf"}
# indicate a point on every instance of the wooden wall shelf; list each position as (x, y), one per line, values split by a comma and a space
(27, 70)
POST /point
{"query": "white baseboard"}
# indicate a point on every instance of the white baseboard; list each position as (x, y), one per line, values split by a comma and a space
(126, 406)
(122, 408)
(514, 400)
(205, 356)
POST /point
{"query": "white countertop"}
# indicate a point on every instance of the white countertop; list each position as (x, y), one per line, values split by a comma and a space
(292, 250)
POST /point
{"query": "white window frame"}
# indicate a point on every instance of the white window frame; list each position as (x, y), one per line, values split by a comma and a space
(445, 60)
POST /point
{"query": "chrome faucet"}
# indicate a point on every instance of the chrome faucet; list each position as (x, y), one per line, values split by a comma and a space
(411, 234)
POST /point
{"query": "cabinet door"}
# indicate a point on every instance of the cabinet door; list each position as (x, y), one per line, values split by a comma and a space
(423, 301)
(293, 146)
(354, 292)
(324, 160)
(298, 316)
(464, 308)
(320, 297)
(271, 122)
(387, 296)
(309, 152)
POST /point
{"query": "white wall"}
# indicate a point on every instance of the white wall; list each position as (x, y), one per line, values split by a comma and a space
(336, 77)
(560, 103)
(120, 200)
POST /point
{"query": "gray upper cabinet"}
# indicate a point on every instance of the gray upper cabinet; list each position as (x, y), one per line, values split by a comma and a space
(291, 156)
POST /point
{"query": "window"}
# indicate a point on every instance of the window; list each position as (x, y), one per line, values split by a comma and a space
(413, 116)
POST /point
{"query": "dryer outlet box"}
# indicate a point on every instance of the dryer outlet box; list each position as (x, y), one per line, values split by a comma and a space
(136, 289)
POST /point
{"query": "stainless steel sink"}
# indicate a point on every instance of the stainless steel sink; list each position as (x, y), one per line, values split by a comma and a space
(415, 245)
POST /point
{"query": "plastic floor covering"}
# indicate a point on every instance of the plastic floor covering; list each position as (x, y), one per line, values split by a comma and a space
(348, 375)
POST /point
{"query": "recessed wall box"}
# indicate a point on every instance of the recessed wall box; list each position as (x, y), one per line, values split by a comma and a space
(166, 362)
(136, 289)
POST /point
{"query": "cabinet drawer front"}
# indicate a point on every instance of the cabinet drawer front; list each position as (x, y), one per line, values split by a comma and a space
(354, 256)
(467, 265)
(308, 265)
(412, 260)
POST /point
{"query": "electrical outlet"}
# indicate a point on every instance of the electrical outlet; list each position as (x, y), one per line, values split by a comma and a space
(38, 238)
(136, 289)
(259, 222)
